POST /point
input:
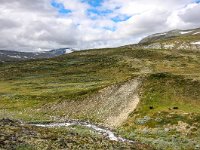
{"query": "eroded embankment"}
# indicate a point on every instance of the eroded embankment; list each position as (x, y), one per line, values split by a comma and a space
(125, 100)
(110, 106)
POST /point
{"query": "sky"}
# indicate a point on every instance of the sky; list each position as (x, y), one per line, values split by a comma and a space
(36, 25)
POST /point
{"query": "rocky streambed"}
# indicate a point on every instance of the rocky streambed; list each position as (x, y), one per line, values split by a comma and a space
(65, 135)
(99, 129)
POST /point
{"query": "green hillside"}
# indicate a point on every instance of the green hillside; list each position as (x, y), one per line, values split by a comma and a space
(66, 87)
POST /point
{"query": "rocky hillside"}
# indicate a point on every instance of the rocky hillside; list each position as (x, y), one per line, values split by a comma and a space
(9, 55)
(175, 39)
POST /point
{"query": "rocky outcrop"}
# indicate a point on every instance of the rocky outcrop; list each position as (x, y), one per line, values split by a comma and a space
(175, 39)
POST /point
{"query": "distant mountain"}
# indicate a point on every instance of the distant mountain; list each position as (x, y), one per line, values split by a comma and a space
(175, 39)
(9, 55)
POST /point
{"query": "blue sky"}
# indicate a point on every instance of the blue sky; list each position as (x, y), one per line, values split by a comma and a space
(93, 12)
(93, 3)
(49, 24)
(60, 7)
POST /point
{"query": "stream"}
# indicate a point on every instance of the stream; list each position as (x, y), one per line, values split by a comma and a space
(101, 130)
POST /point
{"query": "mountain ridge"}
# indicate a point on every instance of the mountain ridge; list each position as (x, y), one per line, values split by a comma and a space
(171, 40)
(12, 55)
(169, 34)
(175, 39)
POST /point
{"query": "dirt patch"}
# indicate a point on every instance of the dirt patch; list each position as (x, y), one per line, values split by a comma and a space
(118, 120)
(129, 99)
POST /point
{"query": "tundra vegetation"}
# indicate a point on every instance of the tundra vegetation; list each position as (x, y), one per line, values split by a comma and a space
(61, 88)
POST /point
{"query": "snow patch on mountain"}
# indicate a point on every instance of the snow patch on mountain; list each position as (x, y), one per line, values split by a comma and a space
(185, 32)
(196, 43)
(68, 50)
(159, 34)
(196, 33)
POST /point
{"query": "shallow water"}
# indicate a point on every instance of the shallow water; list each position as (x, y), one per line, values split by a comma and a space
(101, 130)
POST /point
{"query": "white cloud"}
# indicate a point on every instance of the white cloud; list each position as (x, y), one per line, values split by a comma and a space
(191, 14)
(31, 25)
